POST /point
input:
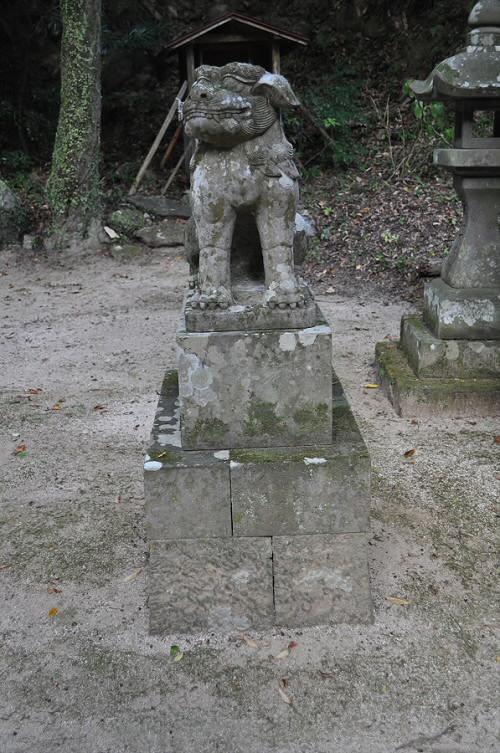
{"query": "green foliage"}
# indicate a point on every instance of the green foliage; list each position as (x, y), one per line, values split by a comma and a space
(146, 36)
(434, 118)
(335, 101)
(15, 161)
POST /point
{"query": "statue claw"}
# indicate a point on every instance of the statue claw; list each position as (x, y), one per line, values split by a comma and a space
(212, 298)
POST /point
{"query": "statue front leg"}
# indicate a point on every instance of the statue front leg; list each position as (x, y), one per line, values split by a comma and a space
(214, 226)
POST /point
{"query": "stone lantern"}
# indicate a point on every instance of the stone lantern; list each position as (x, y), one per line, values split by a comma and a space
(448, 361)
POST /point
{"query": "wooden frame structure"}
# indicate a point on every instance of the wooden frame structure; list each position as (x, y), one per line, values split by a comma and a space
(232, 37)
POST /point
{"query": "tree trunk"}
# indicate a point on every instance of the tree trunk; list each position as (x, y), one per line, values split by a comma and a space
(73, 186)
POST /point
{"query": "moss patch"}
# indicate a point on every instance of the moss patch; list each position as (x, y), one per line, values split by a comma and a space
(170, 382)
(126, 221)
(207, 431)
(310, 415)
(272, 455)
(262, 420)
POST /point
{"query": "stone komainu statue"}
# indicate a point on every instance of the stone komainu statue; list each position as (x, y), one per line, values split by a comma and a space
(242, 164)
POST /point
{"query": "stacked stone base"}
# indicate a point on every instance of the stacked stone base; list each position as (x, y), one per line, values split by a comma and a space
(249, 538)
(427, 375)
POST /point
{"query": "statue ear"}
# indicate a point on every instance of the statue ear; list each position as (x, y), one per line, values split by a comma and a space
(277, 90)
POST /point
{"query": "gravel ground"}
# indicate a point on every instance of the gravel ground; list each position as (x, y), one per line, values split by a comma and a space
(84, 345)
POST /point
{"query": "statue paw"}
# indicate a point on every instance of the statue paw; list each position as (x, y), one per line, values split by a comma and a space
(211, 298)
(290, 297)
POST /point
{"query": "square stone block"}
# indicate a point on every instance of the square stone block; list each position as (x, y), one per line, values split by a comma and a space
(210, 584)
(462, 314)
(321, 579)
(187, 494)
(187, 500)
(255, 389)
(322, 489)
(432, 357)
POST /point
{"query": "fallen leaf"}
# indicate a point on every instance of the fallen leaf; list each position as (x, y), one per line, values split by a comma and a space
(53, 611)
(33, 391)
(409, 453)
(56, 406)
(370, 386)
(21, 450)
(281, 690)
(398, 600)
(100, 407)
(176, 653)
(133, 575)
(283, 654)
(4, 567)
(498, 658)
(497, 439)
(249, 641)
(54, 590)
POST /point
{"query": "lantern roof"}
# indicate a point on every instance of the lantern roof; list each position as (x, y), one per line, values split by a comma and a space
(473, 73)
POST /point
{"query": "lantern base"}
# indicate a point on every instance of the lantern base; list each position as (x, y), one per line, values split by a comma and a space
(462, 313)
(426, 376)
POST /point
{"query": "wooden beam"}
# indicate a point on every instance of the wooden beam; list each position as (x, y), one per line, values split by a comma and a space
(173, 173)
(156, 143)
(190, 65)
(225, 38)
(276, 56)
(171, 146)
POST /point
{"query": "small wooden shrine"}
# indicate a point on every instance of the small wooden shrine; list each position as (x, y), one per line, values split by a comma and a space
(231, 37)
(234, 37)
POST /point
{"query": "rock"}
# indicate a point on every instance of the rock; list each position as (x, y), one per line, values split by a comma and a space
(127, 251)
(12, 215)
(126, 221)
(160, 206)
(28, 242)
(165, 233)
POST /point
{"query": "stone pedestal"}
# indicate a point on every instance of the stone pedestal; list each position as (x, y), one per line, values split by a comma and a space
(445, 364)
(257, 484)
(255, 388)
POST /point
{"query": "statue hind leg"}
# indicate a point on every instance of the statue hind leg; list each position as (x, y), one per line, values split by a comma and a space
(276, 223)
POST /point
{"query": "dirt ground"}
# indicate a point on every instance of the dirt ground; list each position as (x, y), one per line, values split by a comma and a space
(84, 347)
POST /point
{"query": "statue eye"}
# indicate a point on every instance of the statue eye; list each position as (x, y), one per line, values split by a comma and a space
(203, 86)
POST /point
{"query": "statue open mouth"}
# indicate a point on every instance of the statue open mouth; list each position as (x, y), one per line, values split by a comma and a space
(216, 114)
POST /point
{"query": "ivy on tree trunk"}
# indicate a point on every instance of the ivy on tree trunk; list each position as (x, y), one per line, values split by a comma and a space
(73, 186)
